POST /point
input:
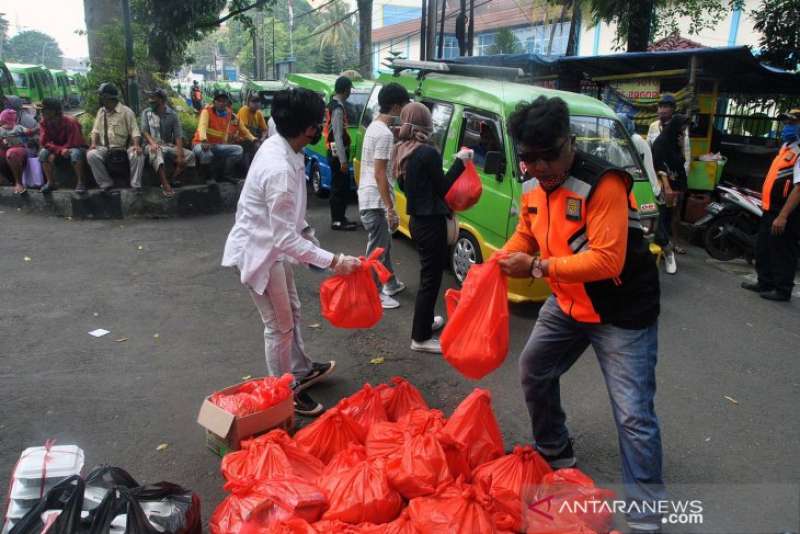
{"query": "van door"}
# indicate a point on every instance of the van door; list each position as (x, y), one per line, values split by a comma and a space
(482, 132)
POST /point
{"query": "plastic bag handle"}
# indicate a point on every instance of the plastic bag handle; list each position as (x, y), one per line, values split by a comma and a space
(374, 262)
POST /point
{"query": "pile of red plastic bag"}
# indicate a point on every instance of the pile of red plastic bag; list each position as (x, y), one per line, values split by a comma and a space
(255, 395)
(382, 462)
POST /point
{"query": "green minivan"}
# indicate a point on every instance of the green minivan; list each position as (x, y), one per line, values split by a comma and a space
(472, 111)
(7, 86)
(317, 168)
(34, 83)
(265, 89)
(62, 84)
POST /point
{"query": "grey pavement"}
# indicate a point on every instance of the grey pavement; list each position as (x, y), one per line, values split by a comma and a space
(728, 375)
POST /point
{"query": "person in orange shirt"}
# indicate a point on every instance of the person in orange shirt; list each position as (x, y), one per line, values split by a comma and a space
(579, 228)
(251, 117)
(217, 136)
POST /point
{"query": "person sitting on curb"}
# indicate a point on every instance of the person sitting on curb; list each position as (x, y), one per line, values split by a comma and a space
(115, 136)
(217, 135)
(61, 139)
(12, 146)
(251, 117)
(162, 130)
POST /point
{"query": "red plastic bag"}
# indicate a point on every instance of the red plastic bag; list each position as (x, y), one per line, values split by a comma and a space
(466, 190)
(231, 513)
(352, 301)
(419, 468)
(255, 395)
(402, 398)
(457, 507)
(272, 455)
(474, 426)
(364, 406)
(261, 523)
(475, 339)
(519, 472)
(329, 434)
(561, 500)
(401, 525)
(422, 420)
(345, 460)
(384, 439)
(327, 526)
(451, 298)
(361, 494)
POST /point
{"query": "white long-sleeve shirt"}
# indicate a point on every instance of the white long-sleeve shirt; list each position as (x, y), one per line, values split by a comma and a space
(643, 148)
(270, 217)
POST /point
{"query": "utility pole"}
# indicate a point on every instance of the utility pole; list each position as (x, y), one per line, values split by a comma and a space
(441, 29)
(423, 31)
(471, 29)
(274, 72)
(130, 67)
(430, 46)
(255, 51)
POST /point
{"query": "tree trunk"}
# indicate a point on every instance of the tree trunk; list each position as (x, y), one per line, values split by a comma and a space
(98, 14)
(553, 27)
(574, 29)
(365, 38)
(640, 24)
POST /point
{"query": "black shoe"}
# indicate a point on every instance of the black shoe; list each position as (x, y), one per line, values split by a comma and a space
(755, 286)
(345, 225)
(317, 373)
(566, 458)
(305, 405)
(47, 188)
(776, 294)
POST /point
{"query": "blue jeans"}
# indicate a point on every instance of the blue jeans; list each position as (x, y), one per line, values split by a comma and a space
(628, 360)
(231, 155)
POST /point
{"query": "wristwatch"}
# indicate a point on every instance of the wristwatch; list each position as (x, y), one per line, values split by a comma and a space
(536, 268)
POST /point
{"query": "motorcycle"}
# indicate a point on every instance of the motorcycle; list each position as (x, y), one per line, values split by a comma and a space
(730, 226)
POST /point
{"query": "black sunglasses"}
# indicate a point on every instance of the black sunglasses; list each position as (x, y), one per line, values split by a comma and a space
(547, 155)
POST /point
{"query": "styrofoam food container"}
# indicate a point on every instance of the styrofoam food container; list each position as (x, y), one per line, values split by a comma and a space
(20, 492)
(62, 461)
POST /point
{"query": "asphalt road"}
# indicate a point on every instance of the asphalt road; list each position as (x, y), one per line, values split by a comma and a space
(728, 375)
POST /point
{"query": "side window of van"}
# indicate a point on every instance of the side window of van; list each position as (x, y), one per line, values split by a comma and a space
(481, 133)
(373, 108)
(441, 113)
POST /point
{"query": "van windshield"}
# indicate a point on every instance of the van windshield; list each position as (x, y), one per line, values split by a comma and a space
(606, 138)
(354, 105)
(19, 80)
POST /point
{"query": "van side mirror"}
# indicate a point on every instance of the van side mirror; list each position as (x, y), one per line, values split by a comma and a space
(495, 163)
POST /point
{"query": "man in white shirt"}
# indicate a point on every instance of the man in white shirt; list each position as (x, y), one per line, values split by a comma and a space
(270, 234)
(375, 195)
(666, 109)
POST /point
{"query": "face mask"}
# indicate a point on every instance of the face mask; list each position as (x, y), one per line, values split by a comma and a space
(790, 133)
(317, 136)
(223, 113)
(154, 106)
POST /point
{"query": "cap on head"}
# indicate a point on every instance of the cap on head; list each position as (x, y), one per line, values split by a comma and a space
(108, 90)
(221, 93)
(158, 92)
(668, 100)
(791, 115)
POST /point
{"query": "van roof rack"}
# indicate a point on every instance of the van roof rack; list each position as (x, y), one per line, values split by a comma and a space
(478, 71)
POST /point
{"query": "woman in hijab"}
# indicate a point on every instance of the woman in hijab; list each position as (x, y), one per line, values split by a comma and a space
(418, 169)
(669, 161)
(13, 137)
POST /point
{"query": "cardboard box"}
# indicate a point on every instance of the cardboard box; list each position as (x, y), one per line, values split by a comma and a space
(225, 431)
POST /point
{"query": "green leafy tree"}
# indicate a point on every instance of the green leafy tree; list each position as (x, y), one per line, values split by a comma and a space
(778, 21)
(336, 31)
(327, 62)
(34, 47)
(639, 22)
(505, 42)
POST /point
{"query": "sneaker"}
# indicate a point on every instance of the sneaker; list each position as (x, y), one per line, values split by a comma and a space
(671, 266)
(397, 287)
(758, 287)
(438, 323)
(318, 372)
(347, 226)
(565, 458)
(388, 302)
(305, 405)
(776, 294)
(431, 345)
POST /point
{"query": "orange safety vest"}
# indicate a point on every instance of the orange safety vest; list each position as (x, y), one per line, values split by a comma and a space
(327, 131)
(558, 221)
(221, 130)
(778, 183)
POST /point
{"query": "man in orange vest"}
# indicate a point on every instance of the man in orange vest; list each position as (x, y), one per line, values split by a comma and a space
(577, 213)
(776, 247)
(337, 140)
(218, 131)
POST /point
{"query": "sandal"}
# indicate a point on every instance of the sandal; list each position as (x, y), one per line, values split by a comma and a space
(679, 250)
(167, 194)
(22, 192)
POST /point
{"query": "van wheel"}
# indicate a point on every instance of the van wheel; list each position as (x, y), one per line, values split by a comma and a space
(316, 182)
(466, 253)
